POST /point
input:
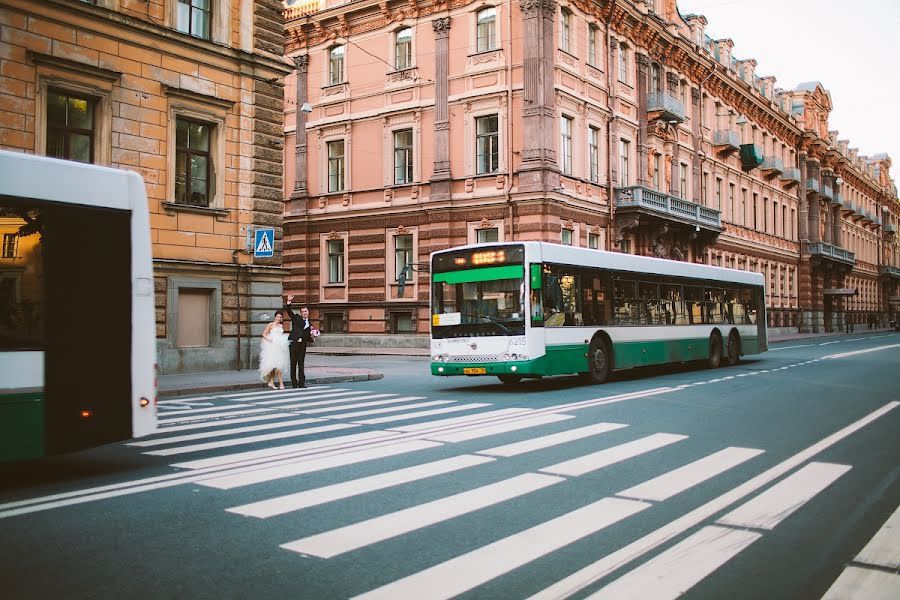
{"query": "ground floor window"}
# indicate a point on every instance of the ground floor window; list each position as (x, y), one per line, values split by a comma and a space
(402, 322)
(192, 328)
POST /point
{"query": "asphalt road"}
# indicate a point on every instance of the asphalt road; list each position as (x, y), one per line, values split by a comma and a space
(762, 480)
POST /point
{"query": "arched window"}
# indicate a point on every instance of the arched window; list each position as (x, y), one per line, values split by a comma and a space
(403, 49)
(565, 30)
(486, 31)
(336, 65)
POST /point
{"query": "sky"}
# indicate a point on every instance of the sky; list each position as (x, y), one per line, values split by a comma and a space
(850, 47)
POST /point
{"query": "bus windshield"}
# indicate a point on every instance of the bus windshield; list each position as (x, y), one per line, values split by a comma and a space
(478, 308)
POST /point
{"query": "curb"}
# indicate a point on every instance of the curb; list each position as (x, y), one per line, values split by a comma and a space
(232, 387)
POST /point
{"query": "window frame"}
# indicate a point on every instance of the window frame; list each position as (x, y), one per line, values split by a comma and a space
(333, 185)
(336, 262)
(68, 131)
(565, 30)
(404, 174)
(195, 110)
(488, 25)
(566, 143)
(339, 77)
(624, 169)
(407, 46)
(188, 153)
(493, 138)
(10, 245)
(593, 30)
(594, 153)
(190, 12)
(623, 63)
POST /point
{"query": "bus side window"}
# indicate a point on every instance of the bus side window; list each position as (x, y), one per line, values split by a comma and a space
(554, 314)
(694, 297)
(649, 303)
(674, 312)
(625, 303)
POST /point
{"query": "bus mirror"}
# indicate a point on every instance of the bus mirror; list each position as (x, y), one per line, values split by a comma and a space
(535, 277)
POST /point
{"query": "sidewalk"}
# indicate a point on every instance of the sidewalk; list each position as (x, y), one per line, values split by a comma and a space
(224, 381)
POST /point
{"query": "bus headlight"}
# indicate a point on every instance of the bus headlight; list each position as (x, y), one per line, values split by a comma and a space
(440, 369)
(506, 356)
(523, 357)
(513, 368)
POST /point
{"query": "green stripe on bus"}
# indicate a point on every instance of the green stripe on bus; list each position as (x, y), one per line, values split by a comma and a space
(21, 426)
(483, 274)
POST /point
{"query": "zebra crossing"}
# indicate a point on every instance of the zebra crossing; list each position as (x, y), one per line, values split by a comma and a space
(361, 428)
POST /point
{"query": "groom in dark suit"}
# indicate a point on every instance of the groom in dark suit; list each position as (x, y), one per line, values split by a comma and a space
(299, 339)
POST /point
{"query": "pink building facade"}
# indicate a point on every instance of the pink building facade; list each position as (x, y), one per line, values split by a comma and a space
(612, 125)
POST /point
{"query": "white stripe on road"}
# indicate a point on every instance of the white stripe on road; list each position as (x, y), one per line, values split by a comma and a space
(554, 439)
(219, 423)
(339, 491)
(289, 451)
(857, 583)
(603, 458)
(829, 343)
(444, 423)
(166, 412)
(345, 395)
(674, 482)
(678, 569)
(480, 431)
(266, 437)
(883, 550)
(319, 463)
(465, 572)
(338, 401)
(789, 347)
(866, 351)
(781, 500)
(327, 409)
(221, 432)
(352, 537)
(240, 395)
(618, 559)
(390, 409)
(424, 413)
(219, 415)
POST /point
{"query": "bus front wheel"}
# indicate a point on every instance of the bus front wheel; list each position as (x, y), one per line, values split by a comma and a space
(733, 349)
(509, 379)
(715, 351)
(598, 361)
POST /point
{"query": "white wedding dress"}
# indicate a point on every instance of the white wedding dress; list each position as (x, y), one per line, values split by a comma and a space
(274, 354)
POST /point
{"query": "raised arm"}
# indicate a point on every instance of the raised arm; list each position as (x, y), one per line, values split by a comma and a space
(287, 305)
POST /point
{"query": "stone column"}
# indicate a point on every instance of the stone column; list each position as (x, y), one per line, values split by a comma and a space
(539, 170)
(441, 178)
(829, 213)
(803, 218)
(698, 138)
(300, 173)
(815, 235)
(643, 64)
(836, 221)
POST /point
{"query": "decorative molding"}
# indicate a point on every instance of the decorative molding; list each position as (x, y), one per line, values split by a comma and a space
(301, 63)
(441, 27)
(45, 60)
(184, 94)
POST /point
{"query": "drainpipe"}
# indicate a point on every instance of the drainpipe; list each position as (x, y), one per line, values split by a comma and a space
(237, 291)
(610, 104)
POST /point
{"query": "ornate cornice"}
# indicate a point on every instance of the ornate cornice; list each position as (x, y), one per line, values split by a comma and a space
(531, 8)
(302, 63)
(441, 26)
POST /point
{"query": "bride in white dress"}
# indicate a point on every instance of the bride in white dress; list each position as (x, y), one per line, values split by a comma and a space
(274, 357)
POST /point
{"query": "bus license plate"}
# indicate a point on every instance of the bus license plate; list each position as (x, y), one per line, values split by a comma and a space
(474, 371)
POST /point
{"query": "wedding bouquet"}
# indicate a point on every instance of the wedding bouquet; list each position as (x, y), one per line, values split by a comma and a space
(314, 333)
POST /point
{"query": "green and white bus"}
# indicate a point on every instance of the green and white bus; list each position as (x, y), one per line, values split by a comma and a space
(77, 310)
(534, 309)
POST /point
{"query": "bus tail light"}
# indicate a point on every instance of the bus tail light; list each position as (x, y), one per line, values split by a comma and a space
(144, 402)
(86, 413)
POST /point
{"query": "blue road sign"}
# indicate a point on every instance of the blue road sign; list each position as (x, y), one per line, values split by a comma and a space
(264, 242)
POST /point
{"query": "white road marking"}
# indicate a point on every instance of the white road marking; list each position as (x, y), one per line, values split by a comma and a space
(380, 411)
(352, 537)
(465, 572)
(193, 411)
(343, 396)
(829, 343)
(674, 482)
(424, 413)
(318, 463)
(242, 396)
(856, 583)
(781, 500)
(187, 419)
(554, 439)
(671, 574)
(443, 423)
(166, 429)
(316, 411)
(472, 433)
(883, 549)
(265, 437)
(856, 352)
(790, 347)
(221, 433)
(603, 458)
(339, 491)
(603, 567)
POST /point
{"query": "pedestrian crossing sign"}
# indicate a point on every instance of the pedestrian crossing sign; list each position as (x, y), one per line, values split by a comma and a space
(264, 242)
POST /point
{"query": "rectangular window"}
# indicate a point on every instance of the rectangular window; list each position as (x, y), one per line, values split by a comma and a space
(594, 153)
(743, 206)
(194, 17)
(403, 49)
(9, 245)
(336, 65)
(765, 215)
(335, 261)
(565, 144)
(566, 236)
(487, 235)
(486, 32)
(682, 186)
(192, 162)
(70, 126)
(565, 30)
(718, 194)
(623, 63)
(755, 209)
(193, 318)
(334, 322)
(594, 241)
(793, 224)
(403, 156)
(624, 150)
(731, 202)
(403, 253)
(487, 144)
(336, 166)
(592, 46)
(657, 164)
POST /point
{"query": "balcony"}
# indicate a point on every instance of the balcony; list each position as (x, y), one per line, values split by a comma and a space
(751, 156)
(831, 252)
(772, 166)
(647, 200)
(828, 192)
(838, 199)
(790, 176)
(662, 106)
(889, 271)
(812, 185)
(726, 141)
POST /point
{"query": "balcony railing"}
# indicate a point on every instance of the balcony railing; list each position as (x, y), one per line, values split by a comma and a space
(645, 198)
(889, 229)
(827, 192)
(850, 205)
(839, 199)
(790, 174)
(668, 107)
(832, 252)
(773, 164)
(751, 156)
(726, 139)
(890, 271)
(812, 185)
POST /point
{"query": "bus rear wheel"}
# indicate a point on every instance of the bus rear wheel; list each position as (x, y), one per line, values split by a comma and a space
(509, 379)
(715, 351)
(598, 361)
(733, 349)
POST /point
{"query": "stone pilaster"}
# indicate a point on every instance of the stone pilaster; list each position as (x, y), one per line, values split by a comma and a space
(300, 150)
(827, 180)
(813, 202)
(539, 170)
(698, 138)
(440, 179)
(804, 208)
(643, 68)
(836, 220)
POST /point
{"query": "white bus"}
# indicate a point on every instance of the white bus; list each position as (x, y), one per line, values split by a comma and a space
(77, 326)
(533, 309)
